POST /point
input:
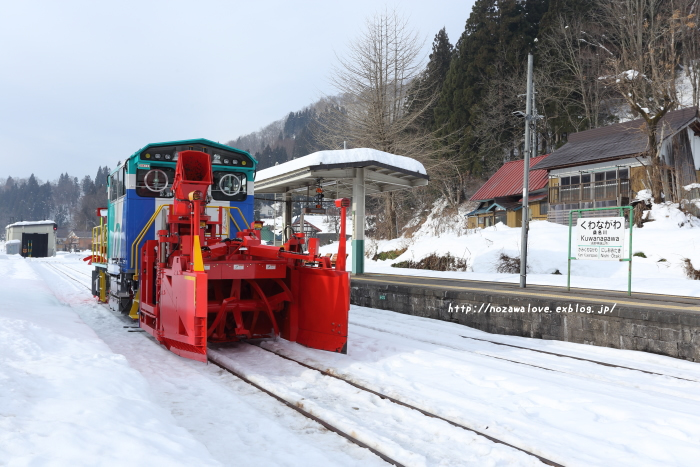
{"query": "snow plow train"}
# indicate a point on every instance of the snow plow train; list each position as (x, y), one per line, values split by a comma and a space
(205, 276)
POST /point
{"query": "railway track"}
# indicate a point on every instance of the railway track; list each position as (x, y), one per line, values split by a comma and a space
(484, 354)
(53, 266)
(349, 435)
(73, 269)
(597, 362)
(411, 407)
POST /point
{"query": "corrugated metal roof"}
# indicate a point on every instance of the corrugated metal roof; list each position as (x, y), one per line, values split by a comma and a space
(614, 141)
(508, 180)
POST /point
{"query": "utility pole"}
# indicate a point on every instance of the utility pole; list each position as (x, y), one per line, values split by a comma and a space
(529, 119)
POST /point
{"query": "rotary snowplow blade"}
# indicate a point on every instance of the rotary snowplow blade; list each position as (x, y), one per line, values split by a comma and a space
(318, 316)
(183, 311)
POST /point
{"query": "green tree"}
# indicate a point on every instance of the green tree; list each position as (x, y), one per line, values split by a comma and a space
(495, 43)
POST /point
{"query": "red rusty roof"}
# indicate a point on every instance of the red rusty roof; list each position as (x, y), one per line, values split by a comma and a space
(508, 180)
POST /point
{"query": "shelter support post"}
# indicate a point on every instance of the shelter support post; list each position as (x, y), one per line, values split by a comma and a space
(287, 233)
(358, 221)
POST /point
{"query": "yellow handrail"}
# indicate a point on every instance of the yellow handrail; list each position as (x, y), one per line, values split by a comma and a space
(95, 235)
(139, 238)
(228, 209)
(134, 250)
(99, 243)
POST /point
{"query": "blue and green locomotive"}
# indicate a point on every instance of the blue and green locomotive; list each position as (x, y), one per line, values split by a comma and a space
(175, 250)
(138, 189)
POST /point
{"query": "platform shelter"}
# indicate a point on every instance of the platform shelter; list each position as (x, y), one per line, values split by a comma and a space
(344, 173)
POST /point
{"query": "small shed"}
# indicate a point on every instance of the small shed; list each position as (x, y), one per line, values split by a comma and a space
(37, 238)
(501, 197)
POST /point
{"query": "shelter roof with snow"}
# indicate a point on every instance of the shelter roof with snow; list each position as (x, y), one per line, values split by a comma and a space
(383, 172)
(508, 180)
(618, 141)
(28, 223)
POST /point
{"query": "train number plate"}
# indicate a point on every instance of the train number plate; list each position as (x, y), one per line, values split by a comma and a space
(238, 266)
(270, 266)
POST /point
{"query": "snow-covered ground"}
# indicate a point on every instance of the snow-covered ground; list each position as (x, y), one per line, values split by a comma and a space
(81, 388)
(666, 242)
(67, 398)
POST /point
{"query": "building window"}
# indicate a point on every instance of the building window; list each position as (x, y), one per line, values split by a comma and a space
(544, 208)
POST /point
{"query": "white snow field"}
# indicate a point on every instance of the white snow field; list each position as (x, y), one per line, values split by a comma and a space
(80, 389)
(67, 398)
(666, 242)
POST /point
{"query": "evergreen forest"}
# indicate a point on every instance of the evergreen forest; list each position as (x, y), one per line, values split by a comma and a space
(596, 62)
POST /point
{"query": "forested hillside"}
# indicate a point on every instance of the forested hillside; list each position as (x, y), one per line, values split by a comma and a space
(70, 202)
(596, 62)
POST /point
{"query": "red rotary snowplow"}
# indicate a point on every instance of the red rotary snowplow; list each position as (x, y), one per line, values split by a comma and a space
(198, 287)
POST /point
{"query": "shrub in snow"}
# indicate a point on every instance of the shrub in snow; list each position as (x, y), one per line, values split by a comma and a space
(434, 262)
(508, 264)
(385, 255)
(690, 271)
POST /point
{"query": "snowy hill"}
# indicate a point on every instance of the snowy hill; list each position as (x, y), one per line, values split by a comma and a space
(665, 244)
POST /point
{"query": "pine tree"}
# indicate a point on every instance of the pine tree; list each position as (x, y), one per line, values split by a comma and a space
(426, 89)
(497, 37)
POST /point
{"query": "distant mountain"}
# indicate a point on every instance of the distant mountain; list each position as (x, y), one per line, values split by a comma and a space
(295, 135)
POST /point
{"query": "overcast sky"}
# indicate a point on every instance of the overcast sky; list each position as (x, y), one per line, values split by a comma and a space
(85, 84)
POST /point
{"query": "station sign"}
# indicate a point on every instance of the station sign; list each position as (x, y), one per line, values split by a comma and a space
(314, 210)
(600, 238)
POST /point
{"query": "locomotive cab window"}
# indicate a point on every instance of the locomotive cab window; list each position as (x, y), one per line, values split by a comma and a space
(116, 184)
(156, 182)
(229, 186)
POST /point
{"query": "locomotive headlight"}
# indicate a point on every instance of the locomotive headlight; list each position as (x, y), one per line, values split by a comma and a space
(230, 184)
(147, 156)
(158, 156)
(167, 157)
(226, 161)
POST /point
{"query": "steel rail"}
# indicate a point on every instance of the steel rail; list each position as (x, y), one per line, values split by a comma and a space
(412, 407)
(597, 362)
(213, 359)
(523, 363)
(68, 276)
(218, 362)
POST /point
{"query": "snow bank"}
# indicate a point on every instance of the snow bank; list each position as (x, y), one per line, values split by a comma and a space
(66, 399)
(665, 243)
(343, 156)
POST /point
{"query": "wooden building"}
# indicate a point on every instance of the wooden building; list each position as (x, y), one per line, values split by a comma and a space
(603, 167)
(500, 198)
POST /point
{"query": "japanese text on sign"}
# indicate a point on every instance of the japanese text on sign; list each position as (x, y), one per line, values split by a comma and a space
(600, 238)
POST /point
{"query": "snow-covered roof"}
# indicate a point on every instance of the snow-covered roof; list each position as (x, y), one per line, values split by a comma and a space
(343, 156)
(17, 224)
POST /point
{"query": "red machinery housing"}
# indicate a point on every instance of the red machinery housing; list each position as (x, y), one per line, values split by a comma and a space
(197, 287)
